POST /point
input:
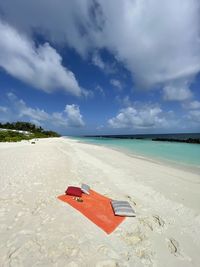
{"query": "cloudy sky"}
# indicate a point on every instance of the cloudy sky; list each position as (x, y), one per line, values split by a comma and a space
(101, 66)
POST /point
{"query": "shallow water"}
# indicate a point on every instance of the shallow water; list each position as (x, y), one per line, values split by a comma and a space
(178, 153)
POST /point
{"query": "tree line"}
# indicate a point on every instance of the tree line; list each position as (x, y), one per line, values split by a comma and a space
(34, 131)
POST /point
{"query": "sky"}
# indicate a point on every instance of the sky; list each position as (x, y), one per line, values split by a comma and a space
(94, 67)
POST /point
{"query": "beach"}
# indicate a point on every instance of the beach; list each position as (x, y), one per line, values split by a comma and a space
(37, 229)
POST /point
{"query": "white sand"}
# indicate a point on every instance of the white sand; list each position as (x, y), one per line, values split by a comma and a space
(36, 229)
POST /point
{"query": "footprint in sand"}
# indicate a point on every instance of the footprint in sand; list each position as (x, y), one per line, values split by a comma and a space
(103, 249)
(133, 238)
(154, 222)
(158, 220)
(174, 248)
(131, 200)
(107, 263)
(146, 222)
(107, 251)
(146, 255)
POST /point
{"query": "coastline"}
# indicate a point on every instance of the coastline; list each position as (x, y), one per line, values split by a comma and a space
(162, 161)
(37, 228)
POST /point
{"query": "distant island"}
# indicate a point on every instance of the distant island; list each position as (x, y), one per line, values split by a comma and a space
(17, 131)
(189, 140)
(182, 138)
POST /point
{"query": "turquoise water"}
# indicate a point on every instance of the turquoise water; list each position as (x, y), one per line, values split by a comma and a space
(179, 153)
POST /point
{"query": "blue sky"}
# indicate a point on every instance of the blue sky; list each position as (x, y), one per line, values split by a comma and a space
(97, 67)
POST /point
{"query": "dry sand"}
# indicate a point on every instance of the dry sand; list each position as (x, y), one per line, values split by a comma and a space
(36, 229)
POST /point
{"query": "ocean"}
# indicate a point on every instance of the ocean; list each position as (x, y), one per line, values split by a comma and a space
(181, 154)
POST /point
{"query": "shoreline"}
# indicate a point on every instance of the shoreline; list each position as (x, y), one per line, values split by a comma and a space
(182, 174)
(37, 228)
(164, 162)
(186, 167)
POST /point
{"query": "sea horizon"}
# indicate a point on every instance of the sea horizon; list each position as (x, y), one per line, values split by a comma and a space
(153, 135)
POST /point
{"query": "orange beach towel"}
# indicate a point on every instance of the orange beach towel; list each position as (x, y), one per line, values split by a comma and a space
(96, 208)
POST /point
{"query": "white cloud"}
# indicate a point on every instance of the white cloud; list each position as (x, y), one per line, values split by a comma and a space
(192, 105)
(39, 66)
(74, 117)
(63, 22)
(157, 41)
(194, 115)
(116, 83)
(97, 61)
(125, 101)
(19, 110)
(172, 93)
(106, 67)
(146, 116)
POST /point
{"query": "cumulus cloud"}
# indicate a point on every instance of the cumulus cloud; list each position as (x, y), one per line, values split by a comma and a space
(194, 115)
(74, 117)
(157, 41)
(39, 66)
(19, 110)
(172, 93)
(140, 117)
(192, 105)
(193, 108)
